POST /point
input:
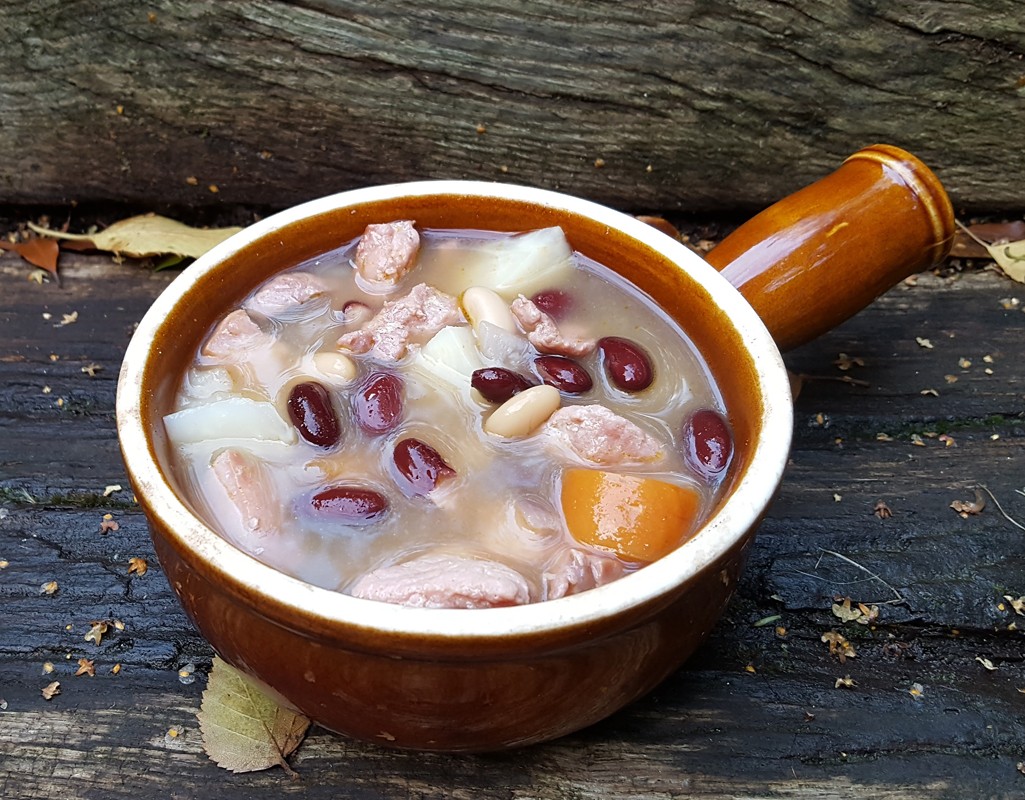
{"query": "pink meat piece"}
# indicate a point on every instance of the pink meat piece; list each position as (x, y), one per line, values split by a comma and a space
(285, 292)
(543, 332)
(234, 337)
(445, 581)
(247, 488)
(412, 319)
(599, 436)
(576, 570)
(386, 252)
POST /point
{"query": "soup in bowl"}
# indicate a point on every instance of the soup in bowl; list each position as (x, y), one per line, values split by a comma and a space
(488, 640)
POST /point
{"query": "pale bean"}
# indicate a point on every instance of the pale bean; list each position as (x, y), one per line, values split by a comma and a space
(336, 367)
(481, 304)
(524, 412)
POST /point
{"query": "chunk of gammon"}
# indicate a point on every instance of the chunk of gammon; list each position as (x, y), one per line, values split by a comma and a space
(596, 435)
(543, 332)
(444, 580)
(576, 570)
(411, 319)
(385, 254)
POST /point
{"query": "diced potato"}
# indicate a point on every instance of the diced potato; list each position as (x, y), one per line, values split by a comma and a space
(231, 418)
(522, 264)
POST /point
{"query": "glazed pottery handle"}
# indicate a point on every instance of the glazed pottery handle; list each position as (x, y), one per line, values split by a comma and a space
(822, 254)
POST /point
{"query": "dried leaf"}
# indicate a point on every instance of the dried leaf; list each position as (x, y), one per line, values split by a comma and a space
(1017, 603)
(986, 663)
(51, 690)
(964, 507)
(923, 343)
(243, 729)
(662, 225)
(846, 682)
(37, 251)
(882, 510)
(1010, 258)
(95, 634)
(839, 646)
(137, 566)
(916, 690)
(109, 490)
(845, 612)
(149, 235)
(50, 587)
(86, 667)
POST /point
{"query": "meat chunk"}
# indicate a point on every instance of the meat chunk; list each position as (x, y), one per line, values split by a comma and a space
(543, 332)
(284, 292)
(576, 570)
(599, 436)
(386, 252)
(411, 319)
(445, 581)
(247, 489)
(234, 337)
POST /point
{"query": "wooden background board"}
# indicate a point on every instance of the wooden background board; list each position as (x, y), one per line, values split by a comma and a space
(692, 106)
(714, 729)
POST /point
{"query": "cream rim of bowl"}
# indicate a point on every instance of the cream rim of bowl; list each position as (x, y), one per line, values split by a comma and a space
(749, 498)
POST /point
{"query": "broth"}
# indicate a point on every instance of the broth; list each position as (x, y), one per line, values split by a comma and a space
(296, 479)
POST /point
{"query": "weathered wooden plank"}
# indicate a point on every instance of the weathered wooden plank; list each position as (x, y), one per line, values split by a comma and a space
(712, 730)
(685, 105)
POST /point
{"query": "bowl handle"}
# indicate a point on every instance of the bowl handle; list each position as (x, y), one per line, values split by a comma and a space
(822, 254)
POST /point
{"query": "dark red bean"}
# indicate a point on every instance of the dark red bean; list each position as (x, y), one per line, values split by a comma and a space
(312, 413)
(352, 504)
(707, 442)
(564, 374)
(378, 403)
(421, 467)
(554, 302)
(628, 366)
(497, 384)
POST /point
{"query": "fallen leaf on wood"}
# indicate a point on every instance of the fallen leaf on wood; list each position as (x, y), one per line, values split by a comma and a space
(966, 508)
(1010, 258)
(37, 251)
(95, 634)
(243, 729)
(845, 612)
(148, 235)
(661, 224)
(86, 667)
(51, 689)
(839, 646)
(1017, 603)
(137, 566)
(846, 682)
(882, 510)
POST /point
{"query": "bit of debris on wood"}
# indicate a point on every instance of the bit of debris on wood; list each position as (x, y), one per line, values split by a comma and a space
(846, 682)
(839, 646)
(965, 508)
(86, 667)
(986, 663)
(51, 690)
(881, 510)
(95, 634)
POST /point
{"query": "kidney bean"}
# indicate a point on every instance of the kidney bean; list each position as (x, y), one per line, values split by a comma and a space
(554, 302)
(352, 504)
(707, 442)
(564, 374)
(312, 413)
(525, 412)
(421, 466)
(628, 366)
(498, 384)
(378, 403)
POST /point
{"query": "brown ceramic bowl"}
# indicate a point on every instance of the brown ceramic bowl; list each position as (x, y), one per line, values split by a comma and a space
(456, 680)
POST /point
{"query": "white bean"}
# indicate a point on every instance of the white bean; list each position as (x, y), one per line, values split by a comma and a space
(481, 304)
(336, 367)
(524, 412)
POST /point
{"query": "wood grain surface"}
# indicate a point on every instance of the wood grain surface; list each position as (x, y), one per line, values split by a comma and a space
(754, 714)
(692, 105)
